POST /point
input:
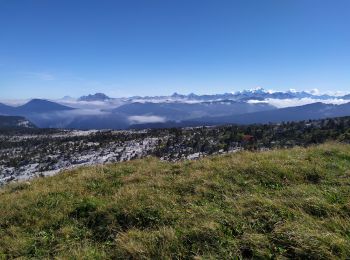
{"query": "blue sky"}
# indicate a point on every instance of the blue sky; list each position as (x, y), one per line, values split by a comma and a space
(153, 47)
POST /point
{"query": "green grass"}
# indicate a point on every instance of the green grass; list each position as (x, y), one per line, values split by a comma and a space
(284, 203)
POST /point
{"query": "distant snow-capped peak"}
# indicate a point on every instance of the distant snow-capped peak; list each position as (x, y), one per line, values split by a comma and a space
(95, 97)
(257, 93)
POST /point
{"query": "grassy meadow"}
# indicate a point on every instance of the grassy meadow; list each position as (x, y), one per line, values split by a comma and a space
(278, 204)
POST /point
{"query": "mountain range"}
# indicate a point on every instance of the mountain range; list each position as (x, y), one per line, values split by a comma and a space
(245, 95)
(99, 111)
(307, 112)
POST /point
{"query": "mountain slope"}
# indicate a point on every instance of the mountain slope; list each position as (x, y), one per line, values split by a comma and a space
(41, 106)
(5, 109)
(15, 122)
(299, 113)
(109, 121)
(278, 204)
(32, 107)
(42, 113)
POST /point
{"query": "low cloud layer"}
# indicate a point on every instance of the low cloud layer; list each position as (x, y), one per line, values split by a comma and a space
(62, 119)
(91, 104)
(146, 119)
(282, 103)
(85, 112)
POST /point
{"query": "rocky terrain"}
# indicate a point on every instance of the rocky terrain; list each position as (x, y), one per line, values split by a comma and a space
(27, 153)
(23, 156)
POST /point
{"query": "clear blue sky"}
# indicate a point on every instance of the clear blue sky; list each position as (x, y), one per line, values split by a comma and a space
(52, 48)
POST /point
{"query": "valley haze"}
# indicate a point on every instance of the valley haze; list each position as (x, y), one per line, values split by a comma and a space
(99, 111)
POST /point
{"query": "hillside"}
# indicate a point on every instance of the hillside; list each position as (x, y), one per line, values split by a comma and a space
(26, 153)
(15, 122)
(43, 113)
(32, 107)
(283, 203)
